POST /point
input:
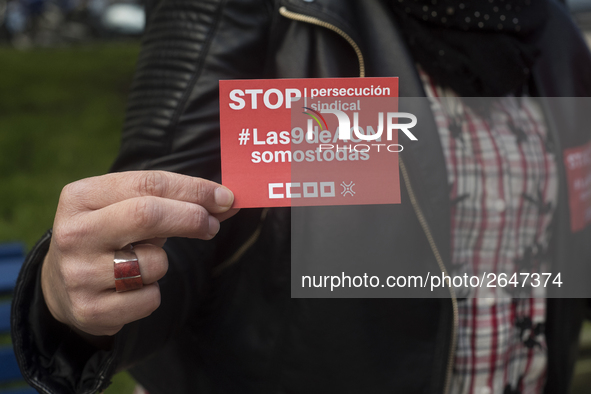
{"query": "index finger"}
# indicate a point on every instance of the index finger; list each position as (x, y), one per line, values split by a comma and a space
(99, 192)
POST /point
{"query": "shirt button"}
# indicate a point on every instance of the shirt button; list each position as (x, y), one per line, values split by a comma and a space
(489, 301)
(485, 390)
(500, 207)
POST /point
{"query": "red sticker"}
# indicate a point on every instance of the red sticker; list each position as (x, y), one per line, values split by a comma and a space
(302, 142)
(577, 161)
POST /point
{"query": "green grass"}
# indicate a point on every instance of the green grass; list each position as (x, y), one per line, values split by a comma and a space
(61, 114)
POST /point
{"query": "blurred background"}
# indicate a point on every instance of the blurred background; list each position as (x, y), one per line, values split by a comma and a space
(52, 23)
(66, 68)
(66, 71)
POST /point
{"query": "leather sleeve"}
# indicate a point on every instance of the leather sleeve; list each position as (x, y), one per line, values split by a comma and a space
(51, 357)
(172, 118)
(172, 124)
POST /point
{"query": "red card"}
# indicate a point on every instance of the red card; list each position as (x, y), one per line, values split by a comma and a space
(577, 162)
(303, 142)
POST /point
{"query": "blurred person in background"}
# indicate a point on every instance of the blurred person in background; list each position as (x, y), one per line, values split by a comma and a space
(213, 313)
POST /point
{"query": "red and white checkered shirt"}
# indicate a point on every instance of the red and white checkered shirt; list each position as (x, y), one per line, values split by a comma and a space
(503, 190)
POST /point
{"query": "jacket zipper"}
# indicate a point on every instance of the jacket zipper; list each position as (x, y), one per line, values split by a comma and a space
(217, 271)
(418, 211)
(315, 21)
(454, 300)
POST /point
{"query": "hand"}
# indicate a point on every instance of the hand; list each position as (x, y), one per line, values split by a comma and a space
(97, 216)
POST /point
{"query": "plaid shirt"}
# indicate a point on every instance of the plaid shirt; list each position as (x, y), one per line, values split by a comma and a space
(503, 190)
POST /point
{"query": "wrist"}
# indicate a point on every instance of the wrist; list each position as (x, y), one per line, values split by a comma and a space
(48, 291)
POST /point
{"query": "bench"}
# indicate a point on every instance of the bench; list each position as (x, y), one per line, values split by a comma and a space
(12, 256)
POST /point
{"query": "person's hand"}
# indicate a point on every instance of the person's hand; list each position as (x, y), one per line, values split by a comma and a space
(98, 216)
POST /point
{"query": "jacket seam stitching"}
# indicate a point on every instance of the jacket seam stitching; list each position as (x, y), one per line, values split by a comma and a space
(191, 84)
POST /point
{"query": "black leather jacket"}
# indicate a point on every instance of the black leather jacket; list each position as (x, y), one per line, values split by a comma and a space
(227, 323)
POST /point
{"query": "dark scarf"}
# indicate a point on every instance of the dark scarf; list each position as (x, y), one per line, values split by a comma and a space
(478, 48)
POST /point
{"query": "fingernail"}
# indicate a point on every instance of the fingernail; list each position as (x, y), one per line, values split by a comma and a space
(223, 197)
(214, 226)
